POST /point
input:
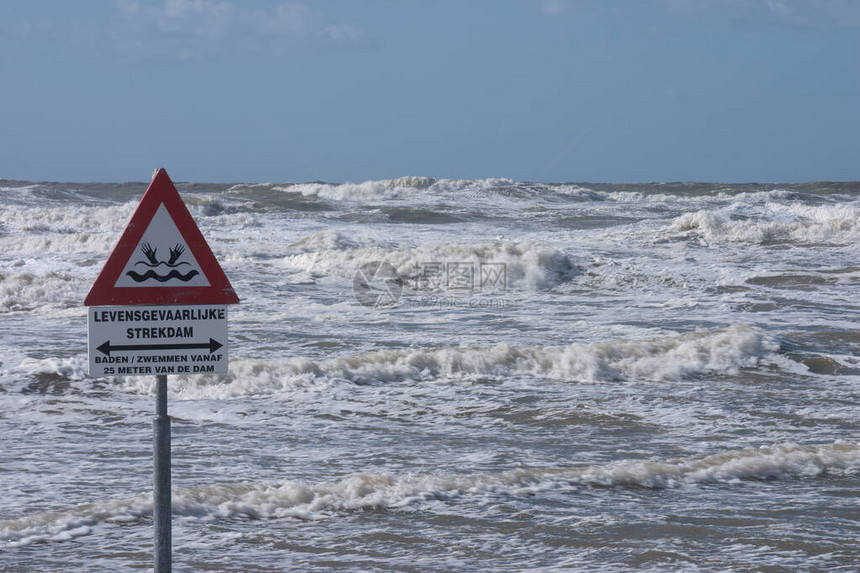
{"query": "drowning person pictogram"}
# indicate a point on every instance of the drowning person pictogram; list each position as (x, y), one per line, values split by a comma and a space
(153, 263)
(162, 257)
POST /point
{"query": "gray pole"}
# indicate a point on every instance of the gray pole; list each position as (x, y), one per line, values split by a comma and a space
(161, 502)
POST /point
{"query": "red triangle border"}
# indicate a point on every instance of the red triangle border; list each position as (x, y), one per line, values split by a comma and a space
(161, 191)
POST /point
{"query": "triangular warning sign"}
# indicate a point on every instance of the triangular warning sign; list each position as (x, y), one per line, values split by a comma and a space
(161, 258)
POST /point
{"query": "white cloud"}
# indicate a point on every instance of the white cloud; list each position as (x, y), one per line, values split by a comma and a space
(197, 28)
(205, 18)
(554, 7)
(343, 34)
(813, 14)
(289, 19)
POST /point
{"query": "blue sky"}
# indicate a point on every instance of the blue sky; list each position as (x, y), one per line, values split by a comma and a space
(555, 90)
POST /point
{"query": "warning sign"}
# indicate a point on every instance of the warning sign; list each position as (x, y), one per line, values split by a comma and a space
(139, 340)
(161, 258)
(159, 304)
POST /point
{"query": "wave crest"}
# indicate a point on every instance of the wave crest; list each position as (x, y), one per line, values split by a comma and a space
(304, 500)
(774, 223)
(526, 264)
(27, 291)
(675, 357)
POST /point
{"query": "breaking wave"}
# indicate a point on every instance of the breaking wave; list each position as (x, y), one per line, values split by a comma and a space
(773, 222)
(67, 219)
(326, 240)
(27, 291)
(667, 358)
(25, 244)
(305, 500)
(525, 264)
(401, 187)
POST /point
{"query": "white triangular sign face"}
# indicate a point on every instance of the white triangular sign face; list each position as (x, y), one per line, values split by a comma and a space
(162, 258)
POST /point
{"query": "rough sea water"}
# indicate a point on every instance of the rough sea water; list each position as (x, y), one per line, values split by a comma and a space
(441, 375)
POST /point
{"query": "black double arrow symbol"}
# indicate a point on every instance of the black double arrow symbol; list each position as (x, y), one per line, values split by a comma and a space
(107, 347)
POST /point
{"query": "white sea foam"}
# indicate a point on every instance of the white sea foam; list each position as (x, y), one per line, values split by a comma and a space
(366, 191)
(70, 368)
(325, 240)
(246, 186)
(720, 196)
(402, 187)
(305, 500)
(22, 188)
(774, 222)
(580, 192)
(63, 525)
(88, 229)
(457, 186)
(63, 229)
(59, 243)
(26, 290)
(68, 219)
(529, 265)
(665, 358)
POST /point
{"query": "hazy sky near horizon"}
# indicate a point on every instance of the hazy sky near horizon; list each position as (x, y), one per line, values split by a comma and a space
(555, 90)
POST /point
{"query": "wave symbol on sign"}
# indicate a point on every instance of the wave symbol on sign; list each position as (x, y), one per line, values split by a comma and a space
(153, 263)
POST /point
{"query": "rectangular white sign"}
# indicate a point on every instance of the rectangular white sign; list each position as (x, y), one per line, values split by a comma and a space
(142, 340)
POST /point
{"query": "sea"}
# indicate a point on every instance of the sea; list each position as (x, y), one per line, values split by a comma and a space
(451, 375)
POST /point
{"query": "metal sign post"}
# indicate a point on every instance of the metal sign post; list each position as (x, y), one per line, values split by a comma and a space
(156, 314)
(162, 504)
